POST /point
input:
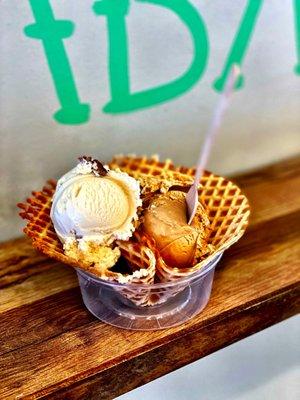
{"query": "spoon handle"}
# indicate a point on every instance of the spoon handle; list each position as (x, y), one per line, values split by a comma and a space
(192, 196)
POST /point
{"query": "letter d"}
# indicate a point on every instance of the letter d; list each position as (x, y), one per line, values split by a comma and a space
(122, 100)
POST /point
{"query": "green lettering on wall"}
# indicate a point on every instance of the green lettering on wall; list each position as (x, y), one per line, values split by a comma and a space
(122, 100)
(51, 32)
(240, 44)
(297, 33)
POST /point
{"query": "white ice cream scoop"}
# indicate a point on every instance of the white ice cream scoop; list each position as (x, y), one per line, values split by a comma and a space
(95, 208)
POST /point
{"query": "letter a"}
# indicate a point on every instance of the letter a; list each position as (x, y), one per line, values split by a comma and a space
(122, 100)
(51, 32)
(240, 44)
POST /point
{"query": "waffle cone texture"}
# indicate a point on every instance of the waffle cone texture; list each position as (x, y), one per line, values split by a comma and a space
(226, 206)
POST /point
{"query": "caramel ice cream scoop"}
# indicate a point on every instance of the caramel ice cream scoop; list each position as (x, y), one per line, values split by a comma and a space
(165, 220)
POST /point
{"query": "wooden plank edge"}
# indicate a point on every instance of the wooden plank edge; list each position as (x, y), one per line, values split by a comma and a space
(75, 316)
(181, 350)
(286, 168)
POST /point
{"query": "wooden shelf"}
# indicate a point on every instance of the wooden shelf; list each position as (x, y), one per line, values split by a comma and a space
(52, 347)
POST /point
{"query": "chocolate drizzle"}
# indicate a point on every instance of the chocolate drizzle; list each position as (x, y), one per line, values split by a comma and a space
(96, 166)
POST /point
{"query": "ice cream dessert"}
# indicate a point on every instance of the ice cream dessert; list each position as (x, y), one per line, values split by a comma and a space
(165, 220)
(93, 207)
(127, 223)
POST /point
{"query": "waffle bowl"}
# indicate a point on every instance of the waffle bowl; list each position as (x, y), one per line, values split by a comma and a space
(154, 176)
(153, 295)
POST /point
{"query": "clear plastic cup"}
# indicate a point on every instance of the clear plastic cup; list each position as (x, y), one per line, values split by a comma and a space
(168, 304)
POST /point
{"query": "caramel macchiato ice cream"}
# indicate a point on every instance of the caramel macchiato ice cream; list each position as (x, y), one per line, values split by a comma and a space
(165, 220)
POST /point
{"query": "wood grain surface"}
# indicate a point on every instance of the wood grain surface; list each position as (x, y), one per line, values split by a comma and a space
(51, 347)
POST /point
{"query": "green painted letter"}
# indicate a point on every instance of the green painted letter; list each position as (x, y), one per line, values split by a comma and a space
(122, 100)
(240, 44)
(51, 32)
(297, 33)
